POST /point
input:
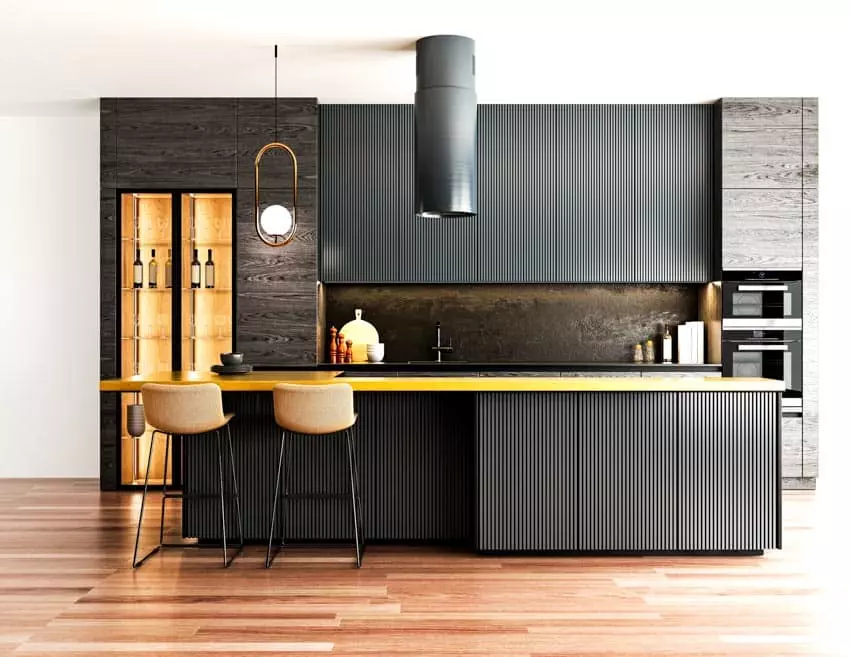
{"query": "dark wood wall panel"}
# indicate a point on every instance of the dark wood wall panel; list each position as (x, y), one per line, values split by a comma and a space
(297, 127)
(182, 143)
(198, 144)
(108, 143)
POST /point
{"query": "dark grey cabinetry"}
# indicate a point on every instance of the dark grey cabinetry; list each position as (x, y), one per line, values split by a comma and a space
(728, 471)
(567, 194)
(621, 470)
(761, 175)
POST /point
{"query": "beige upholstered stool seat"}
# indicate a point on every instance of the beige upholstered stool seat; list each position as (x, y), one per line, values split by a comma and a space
(184, 409)
(314, 409)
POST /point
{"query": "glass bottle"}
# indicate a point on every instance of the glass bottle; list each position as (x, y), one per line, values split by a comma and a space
(153, 270)
(168, 271)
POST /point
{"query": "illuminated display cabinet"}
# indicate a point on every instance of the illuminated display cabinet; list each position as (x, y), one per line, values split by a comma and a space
(176, 300)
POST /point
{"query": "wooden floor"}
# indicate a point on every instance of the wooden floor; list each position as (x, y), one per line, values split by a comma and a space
(66, 587)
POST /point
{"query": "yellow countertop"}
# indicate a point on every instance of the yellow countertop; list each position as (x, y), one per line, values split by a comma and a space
(265, 381)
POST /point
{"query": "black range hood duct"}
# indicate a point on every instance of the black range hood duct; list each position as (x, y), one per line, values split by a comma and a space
(445, 111)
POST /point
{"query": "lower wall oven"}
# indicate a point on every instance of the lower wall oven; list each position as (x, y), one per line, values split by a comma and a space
(768, 353)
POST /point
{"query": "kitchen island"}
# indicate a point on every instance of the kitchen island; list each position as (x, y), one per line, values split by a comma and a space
(513, 464)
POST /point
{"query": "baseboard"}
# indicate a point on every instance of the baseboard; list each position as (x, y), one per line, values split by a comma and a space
(799, 483)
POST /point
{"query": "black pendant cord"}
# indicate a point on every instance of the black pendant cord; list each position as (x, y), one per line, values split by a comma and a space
(275, 93)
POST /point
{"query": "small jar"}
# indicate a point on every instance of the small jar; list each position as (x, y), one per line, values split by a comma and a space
(649, 352)
(638, 353)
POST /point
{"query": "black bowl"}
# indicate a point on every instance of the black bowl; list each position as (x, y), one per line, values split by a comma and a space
(231, 359)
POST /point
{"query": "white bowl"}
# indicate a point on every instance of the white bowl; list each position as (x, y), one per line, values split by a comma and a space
(375, 352)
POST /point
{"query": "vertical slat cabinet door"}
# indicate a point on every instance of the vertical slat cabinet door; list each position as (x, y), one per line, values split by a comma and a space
(626, 471)
(761, 176)
(673, 193)
(176, 143)
(729, 471)
(430, 250)
(366, 190)
(595, 235)
(810, 287)
(526, 471)
(518, 187)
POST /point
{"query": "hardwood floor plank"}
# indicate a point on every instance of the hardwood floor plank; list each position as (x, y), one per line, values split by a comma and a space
(66, 588)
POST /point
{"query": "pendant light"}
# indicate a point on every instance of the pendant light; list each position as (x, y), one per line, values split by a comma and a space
(276, 224)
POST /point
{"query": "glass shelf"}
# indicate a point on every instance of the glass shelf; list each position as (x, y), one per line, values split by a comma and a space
(208, 337)
(142, 240)
(147, 289)
(209, 243)
(147, 337)
(208, 289)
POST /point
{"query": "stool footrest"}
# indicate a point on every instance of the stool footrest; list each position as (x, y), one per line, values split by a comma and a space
(317, 496)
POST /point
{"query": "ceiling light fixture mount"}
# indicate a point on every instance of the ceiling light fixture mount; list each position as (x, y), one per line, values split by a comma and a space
(275, 224)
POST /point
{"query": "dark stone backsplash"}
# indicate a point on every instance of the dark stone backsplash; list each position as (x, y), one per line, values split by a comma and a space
(520, 323)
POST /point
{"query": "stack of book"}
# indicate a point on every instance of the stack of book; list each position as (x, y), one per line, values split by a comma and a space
(692, 343)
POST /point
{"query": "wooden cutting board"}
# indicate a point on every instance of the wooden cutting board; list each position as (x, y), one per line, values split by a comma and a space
(361, 333)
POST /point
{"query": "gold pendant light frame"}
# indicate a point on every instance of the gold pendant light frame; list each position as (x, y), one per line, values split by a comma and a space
(289, 236)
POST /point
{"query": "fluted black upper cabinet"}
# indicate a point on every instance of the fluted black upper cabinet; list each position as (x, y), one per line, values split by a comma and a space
(566, 193)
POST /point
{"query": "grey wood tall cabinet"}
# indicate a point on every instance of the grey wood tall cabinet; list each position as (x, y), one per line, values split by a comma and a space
(768, 173)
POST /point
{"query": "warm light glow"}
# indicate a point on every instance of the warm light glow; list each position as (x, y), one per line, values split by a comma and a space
(276, 221)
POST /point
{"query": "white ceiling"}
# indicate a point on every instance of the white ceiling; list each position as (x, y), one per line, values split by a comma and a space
(61, 51)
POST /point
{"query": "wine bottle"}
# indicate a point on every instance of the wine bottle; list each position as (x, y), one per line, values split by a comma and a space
(667, 351)
(209, 270)
(153, 270)
(168, 271)
(196, 270)
(138, 268)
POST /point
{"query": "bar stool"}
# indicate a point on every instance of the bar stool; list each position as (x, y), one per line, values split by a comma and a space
(315, 410)
(187, 410)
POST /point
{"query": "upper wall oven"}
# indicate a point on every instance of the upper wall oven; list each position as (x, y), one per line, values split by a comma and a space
(762, 300)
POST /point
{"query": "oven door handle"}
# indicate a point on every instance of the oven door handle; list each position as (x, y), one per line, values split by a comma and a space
(762, 288)
(762, 347)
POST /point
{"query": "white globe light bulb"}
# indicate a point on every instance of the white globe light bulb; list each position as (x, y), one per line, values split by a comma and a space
(276, 221)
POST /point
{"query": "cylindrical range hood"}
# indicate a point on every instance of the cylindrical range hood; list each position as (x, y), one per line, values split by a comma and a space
(445, 111)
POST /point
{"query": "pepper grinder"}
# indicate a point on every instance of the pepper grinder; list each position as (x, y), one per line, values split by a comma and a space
(333, 344)
(349, 351)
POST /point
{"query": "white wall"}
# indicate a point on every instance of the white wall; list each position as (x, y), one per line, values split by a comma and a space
(49, 277)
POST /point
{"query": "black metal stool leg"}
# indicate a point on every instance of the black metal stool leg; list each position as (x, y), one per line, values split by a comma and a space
(357, 488)
(164, 486)
(235, 489)
(354, 512)
(136, 564)
(221, 496)
(269, 556)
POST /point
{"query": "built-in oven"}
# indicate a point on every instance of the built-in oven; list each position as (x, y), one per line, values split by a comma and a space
(767, 353)
(762, 299)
